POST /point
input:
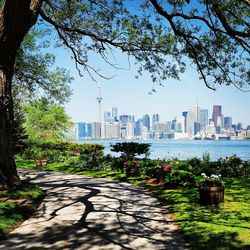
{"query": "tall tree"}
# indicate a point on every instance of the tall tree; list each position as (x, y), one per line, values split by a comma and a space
(159, 34)
(45, 120)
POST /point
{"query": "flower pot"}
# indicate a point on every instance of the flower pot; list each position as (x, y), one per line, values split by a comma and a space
(211, 195)
(132, 172)
(41, 163)
(160, 175)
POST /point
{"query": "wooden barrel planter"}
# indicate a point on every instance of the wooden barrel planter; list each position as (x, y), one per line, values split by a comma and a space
(132, 172)
(160, 175)
(211, 195)
(41, 163)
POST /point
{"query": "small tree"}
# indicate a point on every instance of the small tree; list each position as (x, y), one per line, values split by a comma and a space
(130, 149)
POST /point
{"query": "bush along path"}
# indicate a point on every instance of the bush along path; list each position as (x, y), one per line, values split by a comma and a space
(89, 213)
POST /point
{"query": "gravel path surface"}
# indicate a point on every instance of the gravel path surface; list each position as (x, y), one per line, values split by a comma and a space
(91, 213)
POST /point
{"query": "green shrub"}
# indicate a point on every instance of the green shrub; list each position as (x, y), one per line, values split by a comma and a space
(233, 167)
(89, 155)
(180, 178)
(149, 167)
(129, 150)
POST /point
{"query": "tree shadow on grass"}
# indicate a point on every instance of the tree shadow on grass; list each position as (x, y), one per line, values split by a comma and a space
(201, 238)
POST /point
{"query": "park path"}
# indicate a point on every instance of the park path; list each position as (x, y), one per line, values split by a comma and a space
(91, 213)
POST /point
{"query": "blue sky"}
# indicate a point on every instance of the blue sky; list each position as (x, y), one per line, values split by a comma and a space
(131, 96)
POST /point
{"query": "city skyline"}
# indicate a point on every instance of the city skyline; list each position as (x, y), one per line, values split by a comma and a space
(194, 123)
(131, 95)
(209, 114)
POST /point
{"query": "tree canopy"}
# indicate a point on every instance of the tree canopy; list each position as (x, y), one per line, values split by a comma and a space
(35, 74)
(160, 35)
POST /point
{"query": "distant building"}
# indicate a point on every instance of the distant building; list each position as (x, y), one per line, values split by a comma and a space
(227, 122)
(130, 129)
(239, 126)
(80, 131)
(218, 130)
(89, 130)
(197, 128)
(112, 130)
(190, 123)
(146, 121)
(138, 128)
(184, 114)
(107, 116)
(115, 114)
(216, 114)
(96, 130)
(125, 118)
(196, 113)
(203, 119)
(155, 119)
(163, 126)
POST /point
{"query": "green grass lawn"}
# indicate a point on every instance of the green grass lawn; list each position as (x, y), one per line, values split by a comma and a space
(11, 214)
(226, 226)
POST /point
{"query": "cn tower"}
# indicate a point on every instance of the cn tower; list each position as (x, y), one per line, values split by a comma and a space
(99, 99)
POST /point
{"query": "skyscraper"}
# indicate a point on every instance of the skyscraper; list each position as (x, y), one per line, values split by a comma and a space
(228, 122)
(184, 114)
(115, 114)
(155, 119)
(196, 113)
(216, 114)
(203, 119)
(146, 121)
(130, 130)
(96, 130)
(197, 128)
(138, 128)
(190, 123)
(107, 116)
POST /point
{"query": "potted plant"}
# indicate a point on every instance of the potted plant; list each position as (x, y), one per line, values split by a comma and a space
(161, 172)
(211, 190)
(131, 168)
(40, 157)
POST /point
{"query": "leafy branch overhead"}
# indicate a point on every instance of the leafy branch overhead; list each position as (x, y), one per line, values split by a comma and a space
(34, 70)
(162, 36)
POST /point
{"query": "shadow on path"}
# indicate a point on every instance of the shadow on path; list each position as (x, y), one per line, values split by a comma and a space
(89, 213)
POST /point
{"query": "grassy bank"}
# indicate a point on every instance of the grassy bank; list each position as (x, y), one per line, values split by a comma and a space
(204, 227)
(14, 207)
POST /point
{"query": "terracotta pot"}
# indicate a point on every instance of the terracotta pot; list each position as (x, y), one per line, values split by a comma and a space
(211, 195)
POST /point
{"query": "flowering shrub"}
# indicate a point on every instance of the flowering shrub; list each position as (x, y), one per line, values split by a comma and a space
(132, 163)
(166, 167)
(180, 178)
(233, 166)
(131, 168)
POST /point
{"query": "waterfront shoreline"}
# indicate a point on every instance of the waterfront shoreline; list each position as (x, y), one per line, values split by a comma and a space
(184, 149)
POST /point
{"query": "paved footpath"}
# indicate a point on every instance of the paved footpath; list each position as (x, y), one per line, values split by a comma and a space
(91, 213)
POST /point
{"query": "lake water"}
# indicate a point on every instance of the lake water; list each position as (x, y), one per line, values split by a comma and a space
(190, 148)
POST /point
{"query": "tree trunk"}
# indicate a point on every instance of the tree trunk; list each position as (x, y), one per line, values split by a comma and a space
(16, 18)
